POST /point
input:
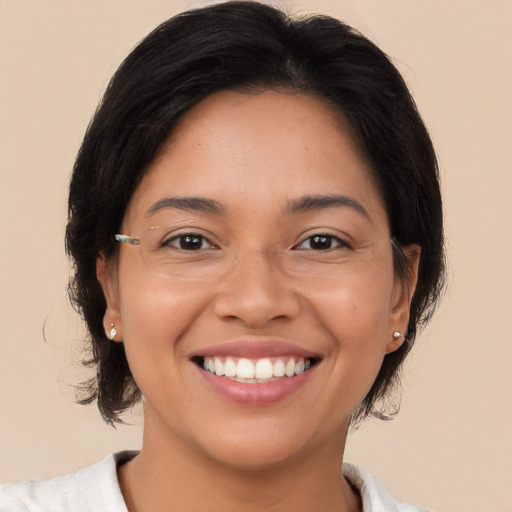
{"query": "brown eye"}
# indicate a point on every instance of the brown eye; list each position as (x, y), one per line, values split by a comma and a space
(320, 242)
(188, 242)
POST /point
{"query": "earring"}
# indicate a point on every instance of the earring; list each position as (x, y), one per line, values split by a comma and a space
(113, 332)
(397, 335)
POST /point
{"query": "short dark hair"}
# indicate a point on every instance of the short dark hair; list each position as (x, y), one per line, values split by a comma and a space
(239, 46)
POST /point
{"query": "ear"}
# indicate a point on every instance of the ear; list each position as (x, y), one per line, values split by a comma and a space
(403, 291)
(108, 280)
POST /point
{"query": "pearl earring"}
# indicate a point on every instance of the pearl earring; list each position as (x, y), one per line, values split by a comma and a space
(397, 335)
(113, 332)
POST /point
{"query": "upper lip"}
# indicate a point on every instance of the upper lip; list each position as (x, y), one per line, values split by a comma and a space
(255, 348)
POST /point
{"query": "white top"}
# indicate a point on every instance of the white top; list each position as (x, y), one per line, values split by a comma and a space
(96, 489)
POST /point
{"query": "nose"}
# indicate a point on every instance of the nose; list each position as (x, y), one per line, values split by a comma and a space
(256, 292)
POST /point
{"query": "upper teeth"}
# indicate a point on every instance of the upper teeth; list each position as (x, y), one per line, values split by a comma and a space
(260, 369)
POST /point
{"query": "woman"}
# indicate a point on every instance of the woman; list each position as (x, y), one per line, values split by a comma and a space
(256, 229)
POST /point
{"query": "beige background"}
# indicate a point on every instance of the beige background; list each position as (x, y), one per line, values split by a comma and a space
(450, 448)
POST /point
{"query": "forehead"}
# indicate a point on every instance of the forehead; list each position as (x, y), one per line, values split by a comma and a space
(254, 146)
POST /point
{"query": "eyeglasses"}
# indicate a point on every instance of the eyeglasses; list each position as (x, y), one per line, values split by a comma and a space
(163, 250)
(192, 255)
(155, 239)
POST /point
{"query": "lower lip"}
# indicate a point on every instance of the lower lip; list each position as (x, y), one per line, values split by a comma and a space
(255, 394)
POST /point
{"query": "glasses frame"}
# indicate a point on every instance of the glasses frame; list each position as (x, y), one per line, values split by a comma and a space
(125, 239)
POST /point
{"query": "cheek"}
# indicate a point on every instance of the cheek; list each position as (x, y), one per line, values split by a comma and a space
(357, 318)
(156, 317)
(156, 312)
(356, 309)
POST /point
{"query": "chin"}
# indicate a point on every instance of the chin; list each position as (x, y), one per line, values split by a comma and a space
(257, 456)
(257, 446)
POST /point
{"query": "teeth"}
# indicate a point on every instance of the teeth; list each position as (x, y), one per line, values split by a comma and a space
(245, 369)
(219, 367)
(262, 370)
(229, 367)
(289, 369)
(279, 368)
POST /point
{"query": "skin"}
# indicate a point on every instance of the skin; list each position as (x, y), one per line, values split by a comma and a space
(254, 154)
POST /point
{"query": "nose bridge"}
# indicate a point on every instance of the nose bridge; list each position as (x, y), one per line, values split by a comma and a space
(255, 290)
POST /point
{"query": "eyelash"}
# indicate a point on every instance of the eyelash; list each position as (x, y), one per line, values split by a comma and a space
(182, 236)
(332, 238)
(177, 240)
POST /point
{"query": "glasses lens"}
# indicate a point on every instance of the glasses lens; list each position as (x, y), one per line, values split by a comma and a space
(177, 253)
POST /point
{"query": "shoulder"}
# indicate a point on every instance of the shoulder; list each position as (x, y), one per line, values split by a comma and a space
(90, 489)
(374, 496)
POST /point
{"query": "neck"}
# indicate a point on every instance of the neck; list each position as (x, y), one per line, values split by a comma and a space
(169, 475)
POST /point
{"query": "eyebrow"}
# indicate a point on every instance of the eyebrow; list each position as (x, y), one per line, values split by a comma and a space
(317, 202)
(196, 204)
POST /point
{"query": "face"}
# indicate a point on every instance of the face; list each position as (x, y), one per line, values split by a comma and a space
(260, 304)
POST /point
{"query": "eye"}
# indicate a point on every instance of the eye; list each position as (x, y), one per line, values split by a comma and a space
(321, 242)
(189, 242)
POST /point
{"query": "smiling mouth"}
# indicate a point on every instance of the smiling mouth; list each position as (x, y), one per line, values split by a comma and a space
(256, 371)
